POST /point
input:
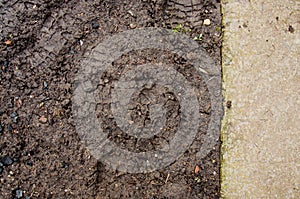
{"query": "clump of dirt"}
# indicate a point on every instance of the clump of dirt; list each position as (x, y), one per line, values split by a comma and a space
(42, 44)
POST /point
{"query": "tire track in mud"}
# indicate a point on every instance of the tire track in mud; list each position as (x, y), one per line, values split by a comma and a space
(187, 12)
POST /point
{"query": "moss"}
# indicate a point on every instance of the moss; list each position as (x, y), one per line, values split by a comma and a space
(180, 28)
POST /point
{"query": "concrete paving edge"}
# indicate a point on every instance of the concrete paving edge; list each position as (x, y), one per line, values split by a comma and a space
(261, 76)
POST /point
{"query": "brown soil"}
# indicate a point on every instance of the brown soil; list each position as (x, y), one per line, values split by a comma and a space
(42, 44)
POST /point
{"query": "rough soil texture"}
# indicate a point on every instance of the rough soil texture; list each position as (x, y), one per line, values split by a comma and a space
(42, 44)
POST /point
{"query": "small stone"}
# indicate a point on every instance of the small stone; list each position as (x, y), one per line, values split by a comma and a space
(131, 13)
(6, 161)
(18, 193)
(130, 122)
(45, 85)
(95, 25)
(14, 114)
(15, 120)
(7, 42)
(206, 22)
(43, 119)
(1, 170)
(132, 26)
(19, 102)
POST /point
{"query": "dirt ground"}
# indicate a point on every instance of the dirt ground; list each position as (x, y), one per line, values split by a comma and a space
(42, 44)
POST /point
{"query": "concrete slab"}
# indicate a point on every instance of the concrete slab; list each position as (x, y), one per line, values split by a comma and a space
(261, 76)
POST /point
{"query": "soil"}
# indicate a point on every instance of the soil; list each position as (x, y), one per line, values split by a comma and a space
(42, 45)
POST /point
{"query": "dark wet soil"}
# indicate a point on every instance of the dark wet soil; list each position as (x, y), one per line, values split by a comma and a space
(42, 44)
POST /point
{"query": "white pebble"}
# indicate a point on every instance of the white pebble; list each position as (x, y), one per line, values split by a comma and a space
(206, 22)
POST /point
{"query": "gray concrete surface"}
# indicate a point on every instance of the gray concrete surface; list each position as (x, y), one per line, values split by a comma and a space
(261, 76)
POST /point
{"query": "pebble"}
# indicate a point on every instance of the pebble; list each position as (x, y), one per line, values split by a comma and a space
(7, 42)
(19, 102)
(131, 122)
(206, 22)
(106, 80)
(45, 85)
(15, 120)
(95, 25)
(14, 114)
(197, 169)
(18, 193)
(131, 13)
(132, 26)
(43, 119)
(6, 161)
